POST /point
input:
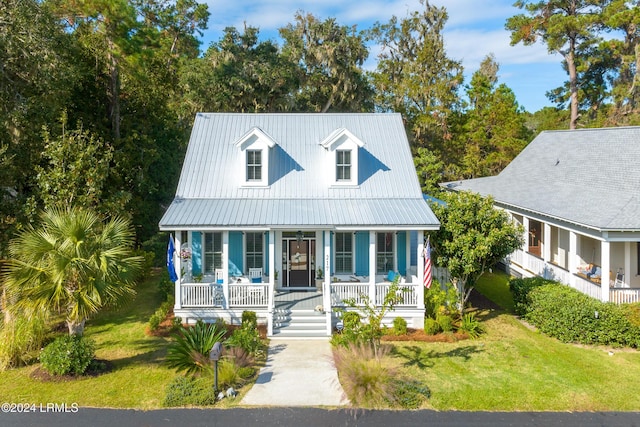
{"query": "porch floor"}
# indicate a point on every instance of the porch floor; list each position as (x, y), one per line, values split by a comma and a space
(297, 300)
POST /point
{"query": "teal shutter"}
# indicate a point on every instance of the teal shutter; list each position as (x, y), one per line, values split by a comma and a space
(236, 258)
(196, 252)
(402, 252)
(362, 253)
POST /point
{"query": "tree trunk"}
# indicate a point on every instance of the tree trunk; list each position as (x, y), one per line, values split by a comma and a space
(113, 91)
(573, 85)
(76, 327)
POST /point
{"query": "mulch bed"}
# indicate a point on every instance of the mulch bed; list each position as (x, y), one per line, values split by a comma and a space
(419, 335)
(103, 366)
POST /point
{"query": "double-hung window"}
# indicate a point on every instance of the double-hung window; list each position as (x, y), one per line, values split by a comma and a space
(384, 252)
(254, 165)
(343, 165)
(212, 252)
(255, 251)
(344, 253)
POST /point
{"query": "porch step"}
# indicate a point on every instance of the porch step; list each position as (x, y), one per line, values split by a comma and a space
(299, 324)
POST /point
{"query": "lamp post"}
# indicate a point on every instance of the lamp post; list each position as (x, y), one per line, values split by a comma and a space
(216, 352)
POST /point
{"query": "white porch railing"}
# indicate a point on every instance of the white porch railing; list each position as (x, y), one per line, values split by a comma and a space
(201, 295)
(243, 295)
(624, 295)
(357, 292)
(586, 287)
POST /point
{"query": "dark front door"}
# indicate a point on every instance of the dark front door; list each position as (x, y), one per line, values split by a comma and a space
(298, 263)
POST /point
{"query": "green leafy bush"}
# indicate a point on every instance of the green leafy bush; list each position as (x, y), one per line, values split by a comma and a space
(571, 316)
(246, 337)
(438, 300)
(186, 391)
(445, 322)
(399, 326)
(70, 354)
(190, 351)
(520, 288)
(470, 325)
(158, 317)
(250, 317)
(351, 331)
(431, 326)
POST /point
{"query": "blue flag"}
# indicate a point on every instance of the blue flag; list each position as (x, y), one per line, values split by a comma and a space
(170, 267)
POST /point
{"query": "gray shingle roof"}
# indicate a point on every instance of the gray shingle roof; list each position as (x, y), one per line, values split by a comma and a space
(590, 177)
(210, 190)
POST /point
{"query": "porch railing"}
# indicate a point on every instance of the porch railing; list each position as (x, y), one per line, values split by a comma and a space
(624, 295)
(243, 295)
(408, 291)
(358, 291)
(201, 295)
(587, 287)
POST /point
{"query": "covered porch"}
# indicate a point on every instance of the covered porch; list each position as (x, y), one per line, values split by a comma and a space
(603, 265)
(225, 272)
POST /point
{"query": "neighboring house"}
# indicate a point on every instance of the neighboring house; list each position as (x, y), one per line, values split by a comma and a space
(577, 195)
(289, 214)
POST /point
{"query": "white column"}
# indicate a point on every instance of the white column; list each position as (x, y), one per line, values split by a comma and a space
(627, 263)
(372, 266)
(394, 244)
(326, 291)
(177, 262)
(272, 275)
(420, 268)
(525, 224)
(225, 267)
(547, 243)
(606, 266)
(573, 256)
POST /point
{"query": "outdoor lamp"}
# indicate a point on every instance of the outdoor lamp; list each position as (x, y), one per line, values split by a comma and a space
(216, 352)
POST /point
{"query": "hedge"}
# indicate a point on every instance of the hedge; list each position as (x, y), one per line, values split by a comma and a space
(520, 288)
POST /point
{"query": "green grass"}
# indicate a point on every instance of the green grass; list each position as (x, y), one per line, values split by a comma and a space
(495, 286)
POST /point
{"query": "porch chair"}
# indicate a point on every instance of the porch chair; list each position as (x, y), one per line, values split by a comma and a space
(619, 283)
(219, 276)
(255, 274)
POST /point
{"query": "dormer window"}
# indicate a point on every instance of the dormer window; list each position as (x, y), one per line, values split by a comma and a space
(343, 165)
(342, 148)
(254, 165)
(254, 146)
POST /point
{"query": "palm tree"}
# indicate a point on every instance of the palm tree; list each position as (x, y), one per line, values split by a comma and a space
(75, 262)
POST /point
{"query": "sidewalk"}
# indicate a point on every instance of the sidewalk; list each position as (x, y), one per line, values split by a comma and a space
(297, 373)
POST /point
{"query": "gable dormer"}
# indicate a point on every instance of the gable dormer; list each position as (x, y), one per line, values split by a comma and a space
(342, 148)
(255, 146)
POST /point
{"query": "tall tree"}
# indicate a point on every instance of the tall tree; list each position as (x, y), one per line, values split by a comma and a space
(494, 131)
(330, 58)
(74, 262)
(415, 77)
(566, 27)
(473, 237)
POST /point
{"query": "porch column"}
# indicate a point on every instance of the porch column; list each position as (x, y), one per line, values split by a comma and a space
(372, 266)
(573, 257)
(225, 267)
(525, 247)
(272, 270)
(394, 244)
(547, 243)
(606, 266)
(627, 263)
(177, 262)
(420, 272)
(326, 287)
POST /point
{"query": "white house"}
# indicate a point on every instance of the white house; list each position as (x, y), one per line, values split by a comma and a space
(577, 194)
(289, 214)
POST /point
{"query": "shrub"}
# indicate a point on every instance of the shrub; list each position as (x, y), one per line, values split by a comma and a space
(239, 357)
(520, 288)
(445, 322)
(166, 286)
(246, 337)
(190, 351)
(70, 354)
(21, 340)
(352, 330)
(438, 300)
(470, 325)
(250, 317)
(431, 327)
(399, 326)
(409, 393)
(184, 391)
(571, 316)
(158, 317)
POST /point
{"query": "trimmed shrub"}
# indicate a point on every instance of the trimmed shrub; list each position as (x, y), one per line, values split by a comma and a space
(185, 391)
(520, 289)
(431, 327)
(351, 333)
(158, 317)
(250, 317)
(572, 316)
(399, 326)
(445, 322)
(70, 354)
(247, 337)
(438, 300)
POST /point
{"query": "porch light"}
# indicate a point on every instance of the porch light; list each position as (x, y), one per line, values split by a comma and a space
(299, 236)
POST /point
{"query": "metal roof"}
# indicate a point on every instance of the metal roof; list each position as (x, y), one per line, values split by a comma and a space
(589, 177)
(211, 191)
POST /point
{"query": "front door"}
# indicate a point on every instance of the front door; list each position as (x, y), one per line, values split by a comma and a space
(298, 256)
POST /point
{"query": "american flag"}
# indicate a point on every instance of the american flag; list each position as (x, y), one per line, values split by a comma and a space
(426, 280)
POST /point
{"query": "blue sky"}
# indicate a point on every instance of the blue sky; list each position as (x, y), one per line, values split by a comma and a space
(475, 28)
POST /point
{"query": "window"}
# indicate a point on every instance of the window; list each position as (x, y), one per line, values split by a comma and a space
(344, 253)
(255, 250)
(384, 252)
(343, 165)
(212, 252)
(254, 165)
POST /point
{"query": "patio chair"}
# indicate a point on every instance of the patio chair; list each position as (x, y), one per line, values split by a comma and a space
(619, 283)
(255, 274)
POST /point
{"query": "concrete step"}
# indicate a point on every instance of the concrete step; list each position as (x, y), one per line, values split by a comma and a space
(299, 324)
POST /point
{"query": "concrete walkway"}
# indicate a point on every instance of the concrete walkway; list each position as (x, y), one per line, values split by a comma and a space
(297, 373)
